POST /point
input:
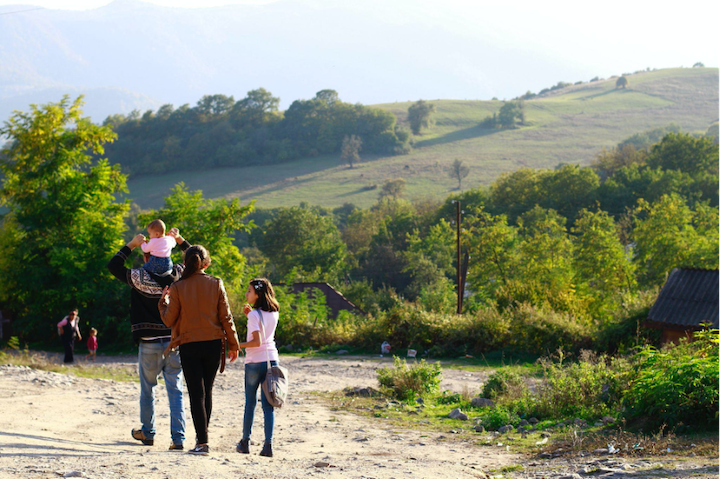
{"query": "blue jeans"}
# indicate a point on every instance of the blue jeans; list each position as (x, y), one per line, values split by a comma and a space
(150, 364)
(254, 376)
(158, 266)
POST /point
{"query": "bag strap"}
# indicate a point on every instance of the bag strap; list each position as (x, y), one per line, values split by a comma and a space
(262, 329)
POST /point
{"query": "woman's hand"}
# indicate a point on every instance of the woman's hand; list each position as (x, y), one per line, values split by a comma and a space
(246, 309)
(233, 355)
(165, 297)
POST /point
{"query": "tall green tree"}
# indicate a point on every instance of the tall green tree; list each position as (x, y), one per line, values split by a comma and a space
(211, 223)
(420, 115)
(63, 221)
(301, 243)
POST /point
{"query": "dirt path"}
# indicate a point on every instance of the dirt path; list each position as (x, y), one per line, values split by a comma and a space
(53, 424)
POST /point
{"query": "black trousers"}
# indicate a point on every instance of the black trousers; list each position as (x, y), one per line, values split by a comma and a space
(68, 344)
(200, 363)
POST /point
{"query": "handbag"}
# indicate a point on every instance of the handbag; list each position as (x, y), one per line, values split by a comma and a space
(275, 385)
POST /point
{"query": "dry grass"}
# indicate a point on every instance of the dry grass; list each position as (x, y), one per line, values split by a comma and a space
(41, 361)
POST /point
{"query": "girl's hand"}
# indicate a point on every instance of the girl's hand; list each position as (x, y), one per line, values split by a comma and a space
(165, 297)
(232, 355)
(246, 309)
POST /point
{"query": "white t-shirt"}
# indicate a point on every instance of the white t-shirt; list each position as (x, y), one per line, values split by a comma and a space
(270, 322)
(160, 247)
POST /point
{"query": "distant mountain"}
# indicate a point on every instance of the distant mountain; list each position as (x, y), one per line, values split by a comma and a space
(132, 54)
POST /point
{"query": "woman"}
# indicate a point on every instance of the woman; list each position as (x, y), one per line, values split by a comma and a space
(196, 308)
(262, 320)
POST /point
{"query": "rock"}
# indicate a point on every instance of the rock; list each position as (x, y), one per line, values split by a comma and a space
(545, 434)
(74, 474)
(545, 455)
(533, 420)
(342, 351)
(321, 464)
(458, 414)
(570, 476)
(598, 423)
(523, 422)
(504, 429)
(361, 392)
(482, 402)
(600, 451)
(520, 429)
(420, 401)
(479, 428)
(608, 420)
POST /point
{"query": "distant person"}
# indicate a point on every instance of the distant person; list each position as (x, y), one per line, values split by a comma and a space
(152, 337)
(196, 308)
(159, 247)
(92, 344)
(262, 320)
(69, 329)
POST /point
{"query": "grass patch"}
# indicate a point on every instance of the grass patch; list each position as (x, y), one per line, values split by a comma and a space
(40, 361)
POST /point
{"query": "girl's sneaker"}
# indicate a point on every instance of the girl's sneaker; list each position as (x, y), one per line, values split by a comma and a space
(203, 450)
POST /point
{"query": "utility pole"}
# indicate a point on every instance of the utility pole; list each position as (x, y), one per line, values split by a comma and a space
(459, 267)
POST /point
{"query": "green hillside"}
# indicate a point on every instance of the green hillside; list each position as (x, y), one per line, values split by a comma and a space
(568, 125)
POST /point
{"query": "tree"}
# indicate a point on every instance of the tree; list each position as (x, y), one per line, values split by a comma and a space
(420, 115)
(211, 223)
(63, 221)
(300, 242)
(393, 188)
(622, 82)
(329, 97)
(601, 264)
(680, 151)
(350, 150)
(511, 112)
(669, 234)
(699, 65)
(458, 171)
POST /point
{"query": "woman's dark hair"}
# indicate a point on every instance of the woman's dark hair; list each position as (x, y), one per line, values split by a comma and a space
(266, 295)
(196, 258)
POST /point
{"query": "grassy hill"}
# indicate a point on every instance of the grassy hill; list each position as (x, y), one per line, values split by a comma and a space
(569, 125)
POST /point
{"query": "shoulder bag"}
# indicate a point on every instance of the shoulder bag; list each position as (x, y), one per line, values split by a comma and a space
(275, 385)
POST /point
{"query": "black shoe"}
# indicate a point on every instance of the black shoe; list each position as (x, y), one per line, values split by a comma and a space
(267, 450)
(138, 434)
(176, 447)
(243, 447)
(200, 450)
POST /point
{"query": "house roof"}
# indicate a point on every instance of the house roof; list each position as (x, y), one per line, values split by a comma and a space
(336, 302)
(688, 299)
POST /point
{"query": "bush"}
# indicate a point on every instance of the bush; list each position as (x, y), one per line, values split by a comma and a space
(502, 382)
(496, 417)
(589, 388)
(406, 382)
(677, 385)
(539, 331)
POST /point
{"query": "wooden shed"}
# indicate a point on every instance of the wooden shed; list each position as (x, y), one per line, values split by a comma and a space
(688, 302)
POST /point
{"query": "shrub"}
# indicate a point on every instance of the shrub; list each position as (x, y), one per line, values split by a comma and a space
(499, 416)
(677, 385)
(589, 388)
(406, 382)
(539, 331)
(501, 382)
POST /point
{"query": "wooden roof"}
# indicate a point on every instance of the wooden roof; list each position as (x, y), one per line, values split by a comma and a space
(688, 299)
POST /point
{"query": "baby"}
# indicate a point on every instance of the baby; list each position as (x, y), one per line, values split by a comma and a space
(92, 344)
(159, 247)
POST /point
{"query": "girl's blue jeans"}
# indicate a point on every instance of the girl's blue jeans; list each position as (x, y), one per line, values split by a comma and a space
(254, 376)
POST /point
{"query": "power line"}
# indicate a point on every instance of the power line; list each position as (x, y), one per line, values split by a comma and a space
(21, 11)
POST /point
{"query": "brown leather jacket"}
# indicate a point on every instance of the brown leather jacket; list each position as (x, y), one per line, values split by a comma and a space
(198, 310)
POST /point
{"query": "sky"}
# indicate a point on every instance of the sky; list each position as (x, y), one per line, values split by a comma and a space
(663, 35)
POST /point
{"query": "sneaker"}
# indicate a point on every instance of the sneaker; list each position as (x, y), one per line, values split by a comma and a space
(203, 450)
(138, 434)
(243, 447)
(267, 450)
(176, 447)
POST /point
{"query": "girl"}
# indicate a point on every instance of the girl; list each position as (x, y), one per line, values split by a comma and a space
(196, 308)
(262, 320)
